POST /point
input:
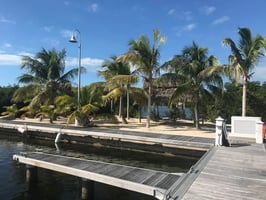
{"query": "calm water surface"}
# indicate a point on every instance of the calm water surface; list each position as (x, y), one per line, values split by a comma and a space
(53, 185)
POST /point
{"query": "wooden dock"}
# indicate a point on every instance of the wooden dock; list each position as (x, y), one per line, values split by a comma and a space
(176, 141)
(237, 172)
(145, 181)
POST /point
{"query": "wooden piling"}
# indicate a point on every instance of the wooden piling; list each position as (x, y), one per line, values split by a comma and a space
(87, 189)
(31, 178)
(31, 174)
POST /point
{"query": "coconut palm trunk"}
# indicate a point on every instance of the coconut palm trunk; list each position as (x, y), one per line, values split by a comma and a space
(149, 108)
(120, 106)
(196, 114)
(127, 102)
(244, 96)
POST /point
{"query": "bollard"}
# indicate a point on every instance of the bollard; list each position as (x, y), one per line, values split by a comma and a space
(259, 132)
(218, 131)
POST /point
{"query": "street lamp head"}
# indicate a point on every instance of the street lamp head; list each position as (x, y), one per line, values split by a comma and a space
(73, 39)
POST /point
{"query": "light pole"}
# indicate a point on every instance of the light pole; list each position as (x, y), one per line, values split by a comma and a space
(74, 40)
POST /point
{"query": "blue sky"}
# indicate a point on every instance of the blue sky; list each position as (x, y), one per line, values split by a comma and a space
(106, 26)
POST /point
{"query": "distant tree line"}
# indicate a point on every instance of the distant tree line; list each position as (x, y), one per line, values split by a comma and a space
(226, 105)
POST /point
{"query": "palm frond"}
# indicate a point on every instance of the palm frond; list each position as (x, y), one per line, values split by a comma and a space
(119, 80)
(180, 91)
(114, 94)
(89, 108)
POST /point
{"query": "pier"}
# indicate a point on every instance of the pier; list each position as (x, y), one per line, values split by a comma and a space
(86, 135)
(237, 172)
(145, 181)
(230, 173)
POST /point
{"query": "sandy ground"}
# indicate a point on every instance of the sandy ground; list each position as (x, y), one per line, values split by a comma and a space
(180, 127)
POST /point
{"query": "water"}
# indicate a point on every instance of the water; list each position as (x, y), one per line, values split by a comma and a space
(52, 185)
(163, 110)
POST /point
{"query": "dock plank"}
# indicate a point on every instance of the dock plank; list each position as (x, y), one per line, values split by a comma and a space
(167, 182)
(155, 178)
(137, 175)
(232, 173)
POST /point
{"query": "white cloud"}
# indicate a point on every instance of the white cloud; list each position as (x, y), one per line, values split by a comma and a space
(47, 29)
(189, 27)
(181, 15)
(187, 15)
(207, 10)
(12, 59)
(91, 64)
(66, 33)
(221, 20)
(4, 20)
(7, 45)
(93, 7)
(171, 12)
(9, 59)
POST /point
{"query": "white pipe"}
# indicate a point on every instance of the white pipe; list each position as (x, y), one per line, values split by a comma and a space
(58, 136)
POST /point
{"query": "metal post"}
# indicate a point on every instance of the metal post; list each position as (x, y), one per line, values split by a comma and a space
(79, 68)
(73, 40)
(218, 132)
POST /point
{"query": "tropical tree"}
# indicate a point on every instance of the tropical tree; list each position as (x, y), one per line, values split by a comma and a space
(44, 80)
(140, 99)
(243, 59)
(196, 74)
(93, 105)
(119, 78)
(65, 105)
(11, 111)
(145, 57)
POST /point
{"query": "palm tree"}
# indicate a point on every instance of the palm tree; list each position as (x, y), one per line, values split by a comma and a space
(45, 79)
(65, 105)
(146, 59)
(196, 76)
(11, 111)
(93, 105)
(244, 57)
(119, 78)
(139, 100)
